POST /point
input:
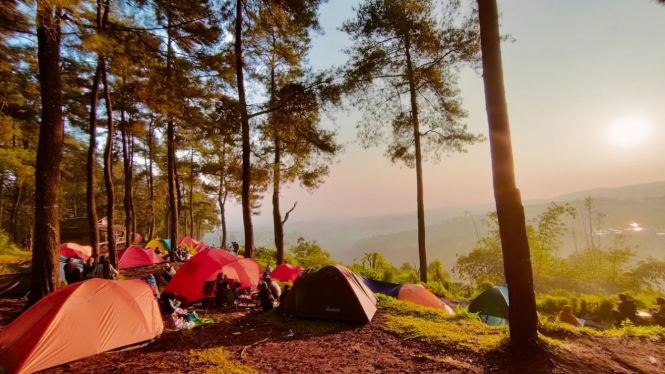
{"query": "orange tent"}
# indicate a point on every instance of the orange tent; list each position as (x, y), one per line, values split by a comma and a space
(189, 280)
(418, 294)
(133, 256)
(80, 320)
(73, 249)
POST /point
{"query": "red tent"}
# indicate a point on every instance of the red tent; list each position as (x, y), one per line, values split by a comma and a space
(133, 257)
(189, 241)
(80, 320)
(200, 247)
(73, 249)
(189, 280)
(286, 272)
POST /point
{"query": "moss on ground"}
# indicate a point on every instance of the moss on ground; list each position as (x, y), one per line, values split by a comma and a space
(13, 260)
(218, 361)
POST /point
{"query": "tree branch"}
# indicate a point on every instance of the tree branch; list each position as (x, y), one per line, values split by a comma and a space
(286, 216)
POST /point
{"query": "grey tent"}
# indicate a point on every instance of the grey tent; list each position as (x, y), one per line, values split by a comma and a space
(492, 306)
(333, 292)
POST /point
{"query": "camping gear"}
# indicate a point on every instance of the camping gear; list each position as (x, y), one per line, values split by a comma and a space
(331, 292)
(188, 282)
(80, 320)
(167, 244)
(492, 306)
(386, 288)
(286, 273)
(133, 256)
(157, 244)
(76, 250)
(418, 294)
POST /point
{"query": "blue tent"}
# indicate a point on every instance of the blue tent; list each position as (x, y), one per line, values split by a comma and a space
(386, 288)
(492, 306)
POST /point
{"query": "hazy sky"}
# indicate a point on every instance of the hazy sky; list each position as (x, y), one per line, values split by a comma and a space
(574, 70)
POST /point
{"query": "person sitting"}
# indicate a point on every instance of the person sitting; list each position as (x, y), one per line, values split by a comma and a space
(286, 291)
(73, 272)
(221, 290)
(88, 267)
(265, 297)
(273, 287)
(268, 269)
(659, 315)
(169, 304)
(625, 310)
(168, 272)
(108, 272)
(566, 316)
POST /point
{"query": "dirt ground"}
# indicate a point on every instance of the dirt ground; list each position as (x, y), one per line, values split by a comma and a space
(250, 338)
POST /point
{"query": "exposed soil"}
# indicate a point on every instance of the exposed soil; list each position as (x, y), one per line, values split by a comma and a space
(351, 348)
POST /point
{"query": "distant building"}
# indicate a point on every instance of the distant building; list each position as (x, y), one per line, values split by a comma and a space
(75, 230)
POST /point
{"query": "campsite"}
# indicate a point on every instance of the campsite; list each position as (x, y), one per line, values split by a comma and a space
(332, 186)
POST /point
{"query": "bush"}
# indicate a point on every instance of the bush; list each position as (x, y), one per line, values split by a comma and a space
(437, 288)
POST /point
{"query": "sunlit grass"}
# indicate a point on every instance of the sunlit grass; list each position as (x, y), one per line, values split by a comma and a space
(463, 330)
(218, 361)
(11, 259)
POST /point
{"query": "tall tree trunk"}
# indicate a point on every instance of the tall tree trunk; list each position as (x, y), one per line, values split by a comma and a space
(127, 168)
(13, 218)
(170, 146)
(419, 165)
(45, 256)
(132, 195)
(512, 225)
(244, 119)
(221, 194)
(108, 169)
(276, 172)
(151, 232)
(2, 195)
(191, 195)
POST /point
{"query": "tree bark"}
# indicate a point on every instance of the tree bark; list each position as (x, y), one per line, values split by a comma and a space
(221, 193)
(108, 169)
(170, 146)
(151, 231)
(244, 119)
(13, 217)
(45, 256)
(127, 168)
(191, 195)
(512, 225)
(422, 251)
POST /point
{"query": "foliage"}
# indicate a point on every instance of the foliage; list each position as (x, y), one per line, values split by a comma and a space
(12, 258)
(309, 254)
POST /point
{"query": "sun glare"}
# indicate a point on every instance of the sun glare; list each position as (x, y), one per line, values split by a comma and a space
(628, 132)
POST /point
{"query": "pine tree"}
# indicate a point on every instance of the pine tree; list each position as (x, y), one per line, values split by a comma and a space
(401, 54)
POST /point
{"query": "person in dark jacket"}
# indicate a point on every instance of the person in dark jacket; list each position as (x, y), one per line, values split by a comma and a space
(625, 310)
(265, 297)
(659, 314)
(286, 291)
(73, 272)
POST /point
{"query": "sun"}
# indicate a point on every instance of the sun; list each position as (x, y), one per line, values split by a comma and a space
(628, 132)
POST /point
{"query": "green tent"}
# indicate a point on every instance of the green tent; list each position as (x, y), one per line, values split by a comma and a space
(166, 243)
(492, 306)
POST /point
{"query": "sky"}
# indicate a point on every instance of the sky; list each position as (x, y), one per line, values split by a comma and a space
(585, 85)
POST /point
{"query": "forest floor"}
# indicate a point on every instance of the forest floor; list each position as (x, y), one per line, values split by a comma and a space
(400, 339)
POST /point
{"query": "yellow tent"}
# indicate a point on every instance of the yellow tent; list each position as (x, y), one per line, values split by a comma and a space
(157, 244)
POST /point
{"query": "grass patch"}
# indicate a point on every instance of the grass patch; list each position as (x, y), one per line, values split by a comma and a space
(11, 258)
(463, 330)
(297, 325)
(219, 361)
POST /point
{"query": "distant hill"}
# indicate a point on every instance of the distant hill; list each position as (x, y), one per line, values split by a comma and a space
(636, 191)
(453, 231)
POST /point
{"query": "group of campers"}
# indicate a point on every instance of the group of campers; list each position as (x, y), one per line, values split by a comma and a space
(228, 292)
(625, 310)
(77, 270)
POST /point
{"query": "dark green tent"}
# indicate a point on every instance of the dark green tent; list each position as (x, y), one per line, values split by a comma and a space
(331, 292)
(492, 306)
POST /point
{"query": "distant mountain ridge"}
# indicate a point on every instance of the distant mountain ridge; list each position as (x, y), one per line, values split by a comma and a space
(635, 191)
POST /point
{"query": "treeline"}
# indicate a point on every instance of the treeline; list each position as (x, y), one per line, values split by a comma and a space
(156, 114)
(591, 268)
